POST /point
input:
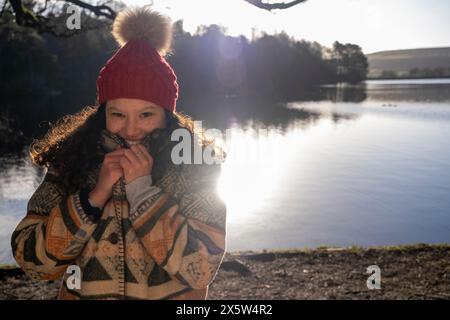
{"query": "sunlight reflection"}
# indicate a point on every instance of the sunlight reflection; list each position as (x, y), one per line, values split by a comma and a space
(252, 173)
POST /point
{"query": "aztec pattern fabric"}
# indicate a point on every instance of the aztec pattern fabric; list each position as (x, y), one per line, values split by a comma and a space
(170, 248)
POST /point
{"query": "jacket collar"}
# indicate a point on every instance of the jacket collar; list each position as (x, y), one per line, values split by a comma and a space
(156, 141)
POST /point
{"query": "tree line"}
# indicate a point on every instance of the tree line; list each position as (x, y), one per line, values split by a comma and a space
(208, 61)
(416, 73)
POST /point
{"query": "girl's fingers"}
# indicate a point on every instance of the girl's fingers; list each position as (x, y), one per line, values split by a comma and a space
(126, 164)
(144, 152)
(112, 159)
(140, 155)
(117, 152)
(132, 157)
(137, 155)
(115, 165)
(113, 156)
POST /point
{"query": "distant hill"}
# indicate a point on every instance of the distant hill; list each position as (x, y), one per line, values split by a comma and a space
(401, 62)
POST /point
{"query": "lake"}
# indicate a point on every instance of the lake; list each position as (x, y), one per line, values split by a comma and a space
(369, 165)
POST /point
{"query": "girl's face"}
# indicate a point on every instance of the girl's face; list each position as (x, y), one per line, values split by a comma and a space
(133, 119)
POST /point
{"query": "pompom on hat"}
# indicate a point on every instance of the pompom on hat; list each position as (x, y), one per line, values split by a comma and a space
(138, 69)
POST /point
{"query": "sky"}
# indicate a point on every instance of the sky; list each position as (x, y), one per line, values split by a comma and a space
(375, 25)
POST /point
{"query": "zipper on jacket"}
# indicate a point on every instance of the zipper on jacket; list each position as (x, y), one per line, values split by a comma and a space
(117, 195)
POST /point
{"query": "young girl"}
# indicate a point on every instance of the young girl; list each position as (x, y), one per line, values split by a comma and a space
(112, 204)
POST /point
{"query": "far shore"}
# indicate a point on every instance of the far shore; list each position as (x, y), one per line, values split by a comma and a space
(406, 78)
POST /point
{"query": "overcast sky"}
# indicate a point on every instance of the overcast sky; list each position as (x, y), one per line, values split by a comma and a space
(375, 25)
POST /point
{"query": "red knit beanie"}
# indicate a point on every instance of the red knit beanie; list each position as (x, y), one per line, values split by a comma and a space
(138, 69)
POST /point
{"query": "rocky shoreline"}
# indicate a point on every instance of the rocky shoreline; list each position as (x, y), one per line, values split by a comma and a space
(407, 272)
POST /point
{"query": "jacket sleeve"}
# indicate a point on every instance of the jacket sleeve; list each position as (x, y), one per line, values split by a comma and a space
(185, 235)
(53, 232)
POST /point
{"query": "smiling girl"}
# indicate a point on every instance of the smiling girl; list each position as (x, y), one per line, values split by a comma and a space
(112, 202)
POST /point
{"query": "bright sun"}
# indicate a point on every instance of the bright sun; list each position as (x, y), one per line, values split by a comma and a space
(237, 16)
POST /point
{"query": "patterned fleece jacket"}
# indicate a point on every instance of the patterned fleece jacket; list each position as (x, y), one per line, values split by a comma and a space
(160, 239)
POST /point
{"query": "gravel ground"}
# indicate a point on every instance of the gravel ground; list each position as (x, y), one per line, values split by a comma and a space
(407, 272)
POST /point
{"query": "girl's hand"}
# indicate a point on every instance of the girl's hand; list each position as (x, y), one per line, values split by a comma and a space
(135, 162)
(110, 172)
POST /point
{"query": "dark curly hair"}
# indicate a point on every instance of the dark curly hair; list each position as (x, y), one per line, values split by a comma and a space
(64, 146)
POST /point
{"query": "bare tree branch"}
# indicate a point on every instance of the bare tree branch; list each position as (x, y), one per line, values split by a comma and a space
(47, 23)
(100, 10)
(44, 8)
(276, 5)
(4, 7)
(24, 16)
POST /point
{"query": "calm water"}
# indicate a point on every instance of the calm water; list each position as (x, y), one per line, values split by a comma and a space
(370, 170)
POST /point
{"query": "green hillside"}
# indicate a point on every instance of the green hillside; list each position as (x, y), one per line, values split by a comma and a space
(402, 62)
